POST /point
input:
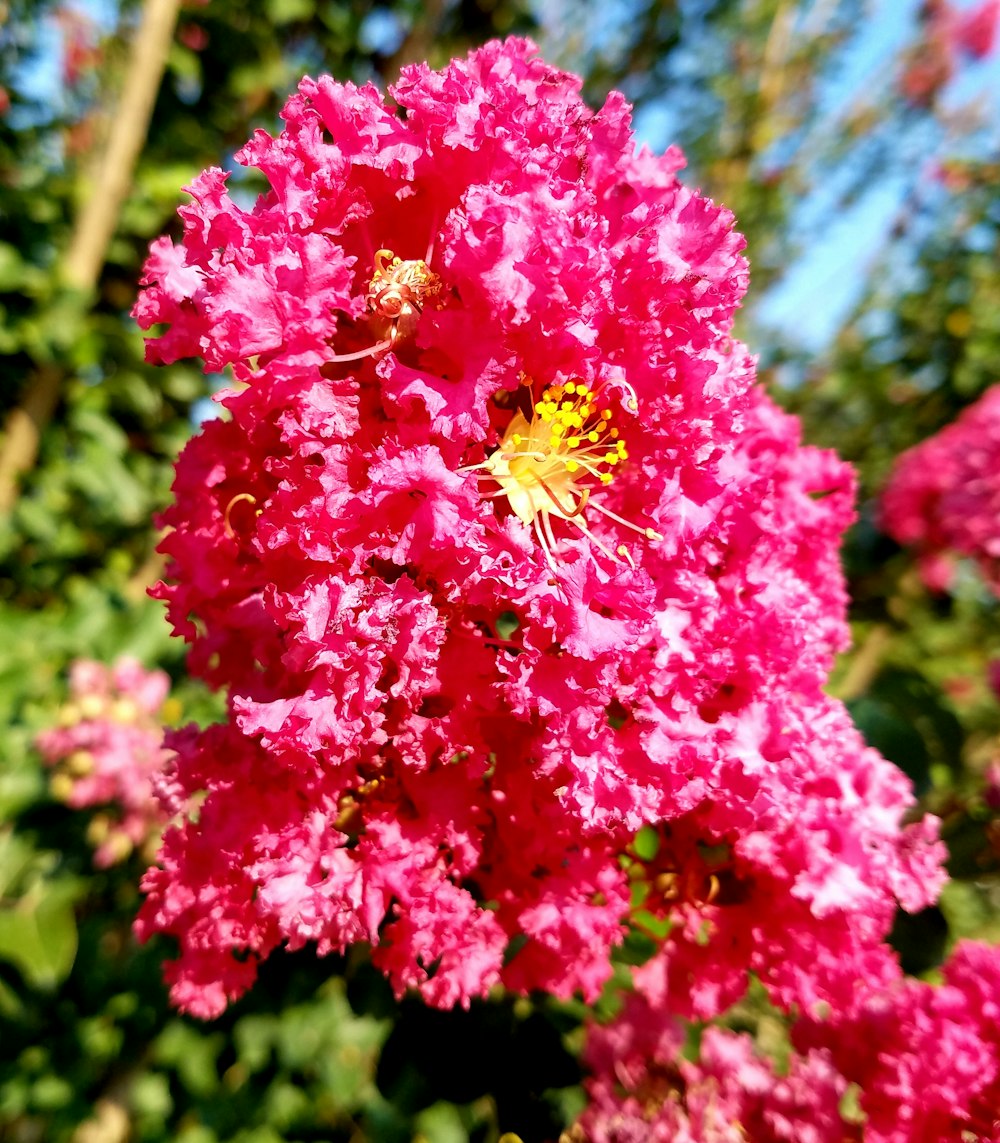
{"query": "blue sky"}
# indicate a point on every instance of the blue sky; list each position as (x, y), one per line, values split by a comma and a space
(817, 292)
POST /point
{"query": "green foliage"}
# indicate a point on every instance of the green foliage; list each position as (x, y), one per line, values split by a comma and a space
(37, 921)
(922, 344)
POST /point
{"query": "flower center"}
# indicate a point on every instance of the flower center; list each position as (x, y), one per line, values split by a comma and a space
(549, 465)
(398, 291)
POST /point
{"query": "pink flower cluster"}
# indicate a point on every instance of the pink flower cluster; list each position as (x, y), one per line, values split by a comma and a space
(501, 556)
(924, 1059)
(108, 751)
(644, 1090)
(944, 496)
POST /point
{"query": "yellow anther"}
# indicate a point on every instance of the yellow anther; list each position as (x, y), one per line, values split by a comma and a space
(398, 292)
(550, 460)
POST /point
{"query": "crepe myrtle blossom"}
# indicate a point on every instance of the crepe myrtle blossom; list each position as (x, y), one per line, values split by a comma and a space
(943, 496)
(923, 1060)
(107, 750)
(500, 557)
(645, 1088)
(925, 1057)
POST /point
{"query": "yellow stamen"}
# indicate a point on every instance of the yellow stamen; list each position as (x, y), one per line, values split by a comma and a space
(546, 466)
(241, 497)
(398, 291)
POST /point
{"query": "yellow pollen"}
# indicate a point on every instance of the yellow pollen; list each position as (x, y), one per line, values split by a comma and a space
(548, 466)
(413, 273)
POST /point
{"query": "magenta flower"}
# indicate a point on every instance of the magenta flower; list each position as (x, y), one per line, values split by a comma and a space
(108, 751)
(924, 1061)
(943, 497)
(925, 1057)
(644, 1090)
(974, 31)
(500, 557)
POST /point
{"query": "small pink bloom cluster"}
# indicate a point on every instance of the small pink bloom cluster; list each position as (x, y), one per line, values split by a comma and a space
(973, 31)
(951, 36)
(108, 751)
(644, 1090)
(924, 1059)
(944, 496)
(501, 556)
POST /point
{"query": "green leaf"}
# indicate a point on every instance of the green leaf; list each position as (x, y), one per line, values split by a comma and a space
(441, 1123)
(38, 934)
(20, 786)
(12, 268)
(193, 1054)
(290, 11)
(894, 736)
(150, 1096)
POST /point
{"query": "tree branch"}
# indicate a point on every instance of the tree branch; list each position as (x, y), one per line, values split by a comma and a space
(866, 664)
(94, 228)
(95, 225)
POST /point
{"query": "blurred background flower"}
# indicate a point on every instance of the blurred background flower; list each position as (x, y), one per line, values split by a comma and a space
(107, 750)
